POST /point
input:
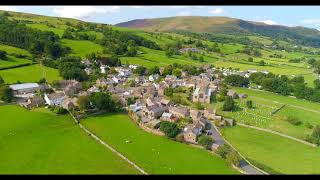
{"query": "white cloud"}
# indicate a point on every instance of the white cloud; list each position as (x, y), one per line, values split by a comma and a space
(216, 11)
(311, 21)
(9, 8)
(82, 12)
(269, 22)
(184, 13)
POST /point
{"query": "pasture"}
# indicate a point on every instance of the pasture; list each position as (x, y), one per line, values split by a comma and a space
(40, 142)
(32, 73)
(155, 154)
(278, 153)
(82, 47)
(265, 103)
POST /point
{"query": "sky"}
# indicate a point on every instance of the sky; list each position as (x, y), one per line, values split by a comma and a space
(308, 16)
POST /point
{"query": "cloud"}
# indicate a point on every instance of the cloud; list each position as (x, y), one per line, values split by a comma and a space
(216, 11)
(184, 13)
(9, 8)
(83, 12)
(311, 21)
(269, 22)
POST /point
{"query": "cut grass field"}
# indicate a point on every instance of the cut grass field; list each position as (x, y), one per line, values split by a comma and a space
(40, 142)
(14, 50)
(155, 154)
(81, 47)
(276, 152)
(32, 73)
(266, 102)
(13, 61)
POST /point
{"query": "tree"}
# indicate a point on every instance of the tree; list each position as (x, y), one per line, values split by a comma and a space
(249, 104)
(224, 150)
(205, 141)
(168, 91)
(236, 80)
(213, 98)
(250, 59)
(233, 158)
(315, 82)
(201, 59)
(229, 104)
(170, 129)
(3, 55)
(177, 72)
(104, 101)
(261, 63)
(154, 70)
(131, 49)
(83, 102)
(199, 106)
(1, 81)
(169, 52)
(6, 94)
(140, 70)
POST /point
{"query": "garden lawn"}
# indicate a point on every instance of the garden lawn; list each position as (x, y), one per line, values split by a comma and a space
(279, 153)
(40, 142)
(82, 47)
(31, 73)
(155, 154)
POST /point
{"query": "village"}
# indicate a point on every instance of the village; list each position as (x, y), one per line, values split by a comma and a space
(143, 97)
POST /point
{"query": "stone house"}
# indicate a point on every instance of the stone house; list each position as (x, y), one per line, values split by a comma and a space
(153, 112)
(54, 99)
(202, 93)
(33, 102)
(232, 94)
(179, 112)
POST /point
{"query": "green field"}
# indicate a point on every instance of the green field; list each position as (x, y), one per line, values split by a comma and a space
(44, 27)
(14, 50)
(266, 102)
(276, 152)
(40, 142)
(13, 61)
(156, 155)
(81, 47)
(31, 73)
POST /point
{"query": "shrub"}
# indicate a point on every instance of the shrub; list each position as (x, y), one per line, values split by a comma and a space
(220, 98)
(170, 129)
(205, 141)
(293, 120)
(249, 104)
(233, 158)
(229, 104)
(60, 110)
(223, 150)
(199, 106)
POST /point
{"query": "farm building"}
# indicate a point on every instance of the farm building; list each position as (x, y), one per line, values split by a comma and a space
(54, 99)
(25, 88)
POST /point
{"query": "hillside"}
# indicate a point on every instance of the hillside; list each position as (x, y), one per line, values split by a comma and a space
(226, 25)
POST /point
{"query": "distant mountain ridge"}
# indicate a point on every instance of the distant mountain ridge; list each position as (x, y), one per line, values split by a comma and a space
(226, 25)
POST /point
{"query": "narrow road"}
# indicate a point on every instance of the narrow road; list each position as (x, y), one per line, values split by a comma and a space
(107, 145)
(244, 165)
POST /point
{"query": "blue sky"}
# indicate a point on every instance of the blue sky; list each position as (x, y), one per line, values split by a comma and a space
(308, 16)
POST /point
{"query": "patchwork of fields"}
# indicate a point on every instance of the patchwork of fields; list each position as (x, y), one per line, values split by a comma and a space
(40, 142)
(156, 155)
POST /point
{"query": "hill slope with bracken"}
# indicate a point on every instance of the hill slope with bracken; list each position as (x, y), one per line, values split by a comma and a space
(226, 25)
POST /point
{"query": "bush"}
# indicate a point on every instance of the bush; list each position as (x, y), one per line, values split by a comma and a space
(6, 94)
(223, 150)
(293, 120)
(249, 104)
(205, 141)
(199, 106)
(170, 129)
(60, 110)
(233, 158)
(221, 98)
(229, 104)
